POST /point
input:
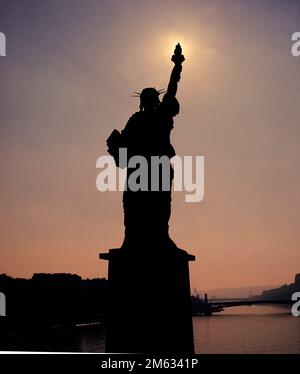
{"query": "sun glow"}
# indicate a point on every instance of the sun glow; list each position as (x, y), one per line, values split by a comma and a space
(172, 41)
(166, 45)
(194, 49)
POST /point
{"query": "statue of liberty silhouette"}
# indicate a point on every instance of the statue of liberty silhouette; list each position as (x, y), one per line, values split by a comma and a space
(147, 134)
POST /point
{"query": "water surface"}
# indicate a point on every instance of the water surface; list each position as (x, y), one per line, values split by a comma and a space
(248, 329)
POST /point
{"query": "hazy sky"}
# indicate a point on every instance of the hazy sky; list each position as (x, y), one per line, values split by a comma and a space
(66, 82)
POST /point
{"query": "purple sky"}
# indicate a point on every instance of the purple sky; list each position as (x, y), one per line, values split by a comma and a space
(66, 82)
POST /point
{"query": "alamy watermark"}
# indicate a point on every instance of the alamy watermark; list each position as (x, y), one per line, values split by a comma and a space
(188, 174)
(296, 307)
(2, 305)
(295, 50)
(2, 44)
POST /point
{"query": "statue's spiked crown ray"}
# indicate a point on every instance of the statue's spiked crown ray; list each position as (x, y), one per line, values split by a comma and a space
(159, 92)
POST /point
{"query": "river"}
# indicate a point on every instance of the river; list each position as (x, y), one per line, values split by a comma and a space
(245, 329)
(248, 329)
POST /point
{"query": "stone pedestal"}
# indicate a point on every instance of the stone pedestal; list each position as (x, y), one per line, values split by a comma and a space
(149, 304)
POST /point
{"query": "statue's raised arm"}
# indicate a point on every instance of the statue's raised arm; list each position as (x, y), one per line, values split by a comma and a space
(178, 59)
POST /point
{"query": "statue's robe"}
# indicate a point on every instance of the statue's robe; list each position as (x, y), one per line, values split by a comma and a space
(147, 213)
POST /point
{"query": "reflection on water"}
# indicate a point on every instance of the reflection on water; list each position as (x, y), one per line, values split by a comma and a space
(245, 329)
(91, 341)
(248, 329)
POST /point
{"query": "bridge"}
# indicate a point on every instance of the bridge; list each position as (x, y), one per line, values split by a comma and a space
(207, 308)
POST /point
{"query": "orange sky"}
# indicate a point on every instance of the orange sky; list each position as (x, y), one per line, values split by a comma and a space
(66, 83)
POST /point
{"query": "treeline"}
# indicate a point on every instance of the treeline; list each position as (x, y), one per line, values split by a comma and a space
(284, 292)
(49, 299)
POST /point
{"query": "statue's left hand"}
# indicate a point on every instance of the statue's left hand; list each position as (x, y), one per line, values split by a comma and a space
(113, 139)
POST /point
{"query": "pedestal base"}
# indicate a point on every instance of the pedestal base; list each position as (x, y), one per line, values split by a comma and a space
(149, 305)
